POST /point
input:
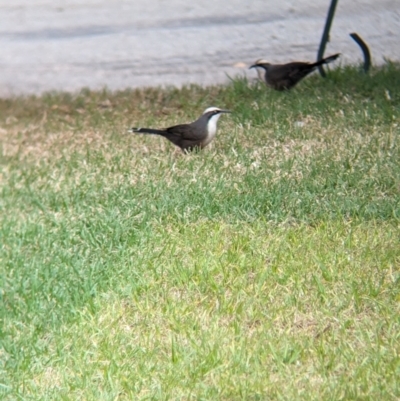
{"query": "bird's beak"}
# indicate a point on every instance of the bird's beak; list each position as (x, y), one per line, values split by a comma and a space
(253, 66)
(225, 111)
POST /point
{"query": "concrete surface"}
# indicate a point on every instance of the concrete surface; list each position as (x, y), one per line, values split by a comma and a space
(66, 45)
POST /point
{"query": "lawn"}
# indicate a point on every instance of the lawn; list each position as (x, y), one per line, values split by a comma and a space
(265, 267)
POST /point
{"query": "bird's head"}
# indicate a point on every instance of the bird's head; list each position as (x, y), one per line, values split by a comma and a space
(214, 113)
(261, 67)
(261, 63)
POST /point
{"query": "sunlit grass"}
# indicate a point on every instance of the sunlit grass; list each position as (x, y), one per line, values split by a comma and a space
(264, 267)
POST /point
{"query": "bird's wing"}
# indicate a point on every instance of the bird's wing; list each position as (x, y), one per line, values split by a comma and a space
(299, 70)
(185, 131)
(184, 136)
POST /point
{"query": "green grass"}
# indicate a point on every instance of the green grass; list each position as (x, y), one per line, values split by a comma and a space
(266, 267)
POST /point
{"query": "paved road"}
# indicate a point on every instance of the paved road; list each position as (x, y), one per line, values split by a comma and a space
(55, 44)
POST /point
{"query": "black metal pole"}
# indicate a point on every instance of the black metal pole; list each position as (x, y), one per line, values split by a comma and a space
(364, 49)
(325, 35)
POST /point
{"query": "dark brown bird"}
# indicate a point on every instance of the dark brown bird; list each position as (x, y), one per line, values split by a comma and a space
(285, 76)
(188, 137)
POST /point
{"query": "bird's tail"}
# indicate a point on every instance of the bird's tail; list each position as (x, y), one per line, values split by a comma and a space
(326, 60)
(146, 131)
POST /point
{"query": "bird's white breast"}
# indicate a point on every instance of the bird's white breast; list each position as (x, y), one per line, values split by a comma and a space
(211, 129)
